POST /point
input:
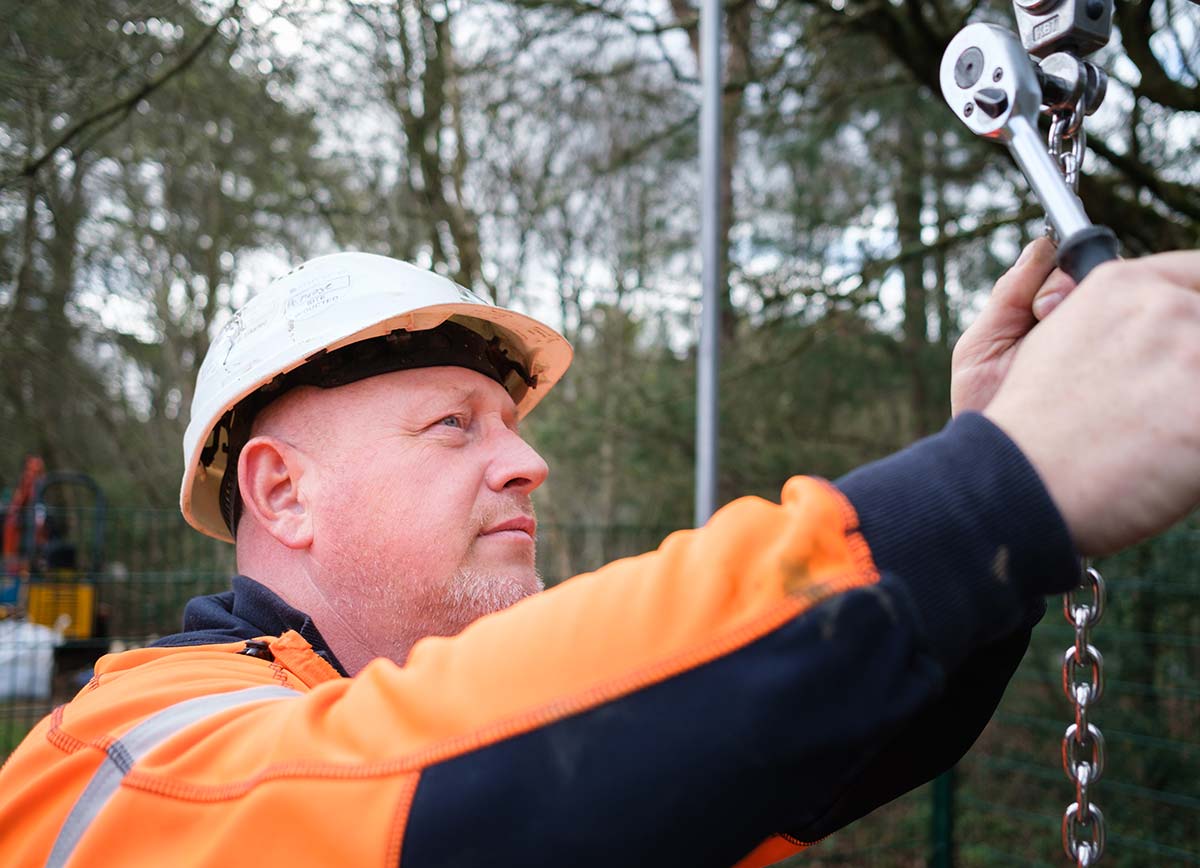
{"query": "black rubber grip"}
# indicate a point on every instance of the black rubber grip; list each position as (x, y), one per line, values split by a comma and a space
(1086, 249)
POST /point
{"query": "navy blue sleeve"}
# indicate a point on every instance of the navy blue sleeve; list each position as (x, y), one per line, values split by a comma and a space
(804, 729)
(963, 522)
(960, 524)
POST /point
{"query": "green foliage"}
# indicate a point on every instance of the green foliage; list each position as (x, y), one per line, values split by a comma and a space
(123, 240)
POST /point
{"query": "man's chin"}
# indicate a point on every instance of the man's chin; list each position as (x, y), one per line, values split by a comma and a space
(475, 593)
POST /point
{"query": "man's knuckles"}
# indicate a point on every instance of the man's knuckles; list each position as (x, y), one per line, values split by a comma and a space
(1180, 267)
(1170, 318)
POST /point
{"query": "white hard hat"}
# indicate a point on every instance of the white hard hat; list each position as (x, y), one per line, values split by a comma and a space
(333, 302)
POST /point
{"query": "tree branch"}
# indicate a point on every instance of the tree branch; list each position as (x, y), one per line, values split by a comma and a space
(1183, 198)
(123, 105)
(1136, 27)
(875, 268)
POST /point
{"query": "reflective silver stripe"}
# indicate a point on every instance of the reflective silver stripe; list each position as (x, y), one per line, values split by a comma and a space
(134, 745)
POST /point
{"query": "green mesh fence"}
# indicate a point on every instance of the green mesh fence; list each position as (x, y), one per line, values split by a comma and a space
(1011, 790)
(1008, 794)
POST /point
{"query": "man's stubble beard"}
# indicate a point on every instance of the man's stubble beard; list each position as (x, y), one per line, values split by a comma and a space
(391, 615)
(390, 610)
(475, 593)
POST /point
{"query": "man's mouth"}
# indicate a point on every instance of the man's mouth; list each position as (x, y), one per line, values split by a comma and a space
(518, 524)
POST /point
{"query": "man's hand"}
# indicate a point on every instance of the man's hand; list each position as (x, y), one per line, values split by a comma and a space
(1104, 399)
(1025, 294)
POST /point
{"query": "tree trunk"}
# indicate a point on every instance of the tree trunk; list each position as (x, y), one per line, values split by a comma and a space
(909, 200)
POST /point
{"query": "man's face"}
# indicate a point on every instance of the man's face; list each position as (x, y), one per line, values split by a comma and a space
(422, 512)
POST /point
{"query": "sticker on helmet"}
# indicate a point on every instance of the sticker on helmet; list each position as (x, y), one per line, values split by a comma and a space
(309, 299)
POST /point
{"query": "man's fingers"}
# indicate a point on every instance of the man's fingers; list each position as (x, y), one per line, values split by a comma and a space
(1056, 288)
(1018, 285)
(1180, 267)
(1007, 314)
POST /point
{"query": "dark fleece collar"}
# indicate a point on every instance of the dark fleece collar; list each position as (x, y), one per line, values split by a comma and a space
(248, 611)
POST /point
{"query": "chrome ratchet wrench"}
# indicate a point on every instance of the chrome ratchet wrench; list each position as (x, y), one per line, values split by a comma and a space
(992, 85)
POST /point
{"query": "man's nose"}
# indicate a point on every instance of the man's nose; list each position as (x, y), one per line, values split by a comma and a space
(516, 466)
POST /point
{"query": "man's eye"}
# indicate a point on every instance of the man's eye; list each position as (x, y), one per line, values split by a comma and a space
(453, 422)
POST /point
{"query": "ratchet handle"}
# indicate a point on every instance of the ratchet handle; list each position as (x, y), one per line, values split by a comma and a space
(1084, 249)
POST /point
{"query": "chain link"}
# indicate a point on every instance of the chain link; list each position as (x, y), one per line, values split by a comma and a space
(1083, 744)
(1067, 142)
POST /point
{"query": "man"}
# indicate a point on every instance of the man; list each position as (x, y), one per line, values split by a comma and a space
(749, 687)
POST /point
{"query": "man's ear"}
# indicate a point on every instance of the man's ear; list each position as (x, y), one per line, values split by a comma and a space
(272, 486)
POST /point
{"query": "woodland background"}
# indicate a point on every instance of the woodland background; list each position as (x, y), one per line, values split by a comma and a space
(160, 160)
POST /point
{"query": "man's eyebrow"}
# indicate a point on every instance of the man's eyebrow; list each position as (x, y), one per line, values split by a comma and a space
(460, 394)
(441, 397)
(446, 396)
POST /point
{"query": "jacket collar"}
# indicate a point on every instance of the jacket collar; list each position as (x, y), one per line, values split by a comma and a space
(248, 611)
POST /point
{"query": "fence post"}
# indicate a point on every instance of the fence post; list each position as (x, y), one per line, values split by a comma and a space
(941, 851)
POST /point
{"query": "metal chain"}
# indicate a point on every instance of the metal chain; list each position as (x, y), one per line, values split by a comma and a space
(1083, 828)
(1083, 745)
(1067, 142)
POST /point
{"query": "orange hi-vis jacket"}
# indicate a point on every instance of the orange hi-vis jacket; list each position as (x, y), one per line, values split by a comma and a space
(748, 687)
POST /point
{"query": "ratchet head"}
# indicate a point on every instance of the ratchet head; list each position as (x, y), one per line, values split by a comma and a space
(988, 79)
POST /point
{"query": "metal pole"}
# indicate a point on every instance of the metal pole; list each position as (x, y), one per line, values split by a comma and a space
(710, 251)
